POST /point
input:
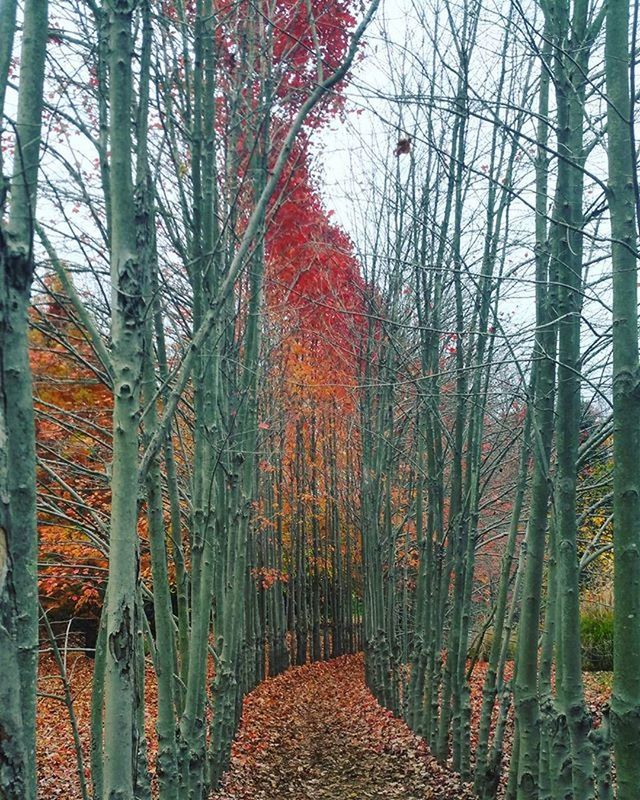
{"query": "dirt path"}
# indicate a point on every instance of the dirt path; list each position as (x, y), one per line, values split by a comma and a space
(316, 732)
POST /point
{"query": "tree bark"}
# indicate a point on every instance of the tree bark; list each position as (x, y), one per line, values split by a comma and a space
(625, 710)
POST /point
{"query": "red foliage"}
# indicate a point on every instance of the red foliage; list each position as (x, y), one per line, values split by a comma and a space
(296, 39)
(314, 284)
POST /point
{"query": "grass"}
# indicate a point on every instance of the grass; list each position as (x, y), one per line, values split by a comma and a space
(596, 630)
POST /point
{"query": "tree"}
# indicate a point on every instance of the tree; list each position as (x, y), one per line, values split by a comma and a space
(626, 419)
(18, 537)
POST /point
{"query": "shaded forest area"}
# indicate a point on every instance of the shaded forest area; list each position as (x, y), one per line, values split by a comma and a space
(319, 406)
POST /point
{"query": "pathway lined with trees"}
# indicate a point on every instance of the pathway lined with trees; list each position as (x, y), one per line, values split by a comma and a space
(235, 438)
(317, 732)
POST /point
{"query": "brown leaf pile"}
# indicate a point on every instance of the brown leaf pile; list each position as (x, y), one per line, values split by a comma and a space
(313, 732)
(317, 732)
(55, 750)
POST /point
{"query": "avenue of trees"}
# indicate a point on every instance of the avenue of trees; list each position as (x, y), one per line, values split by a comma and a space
(235, 438)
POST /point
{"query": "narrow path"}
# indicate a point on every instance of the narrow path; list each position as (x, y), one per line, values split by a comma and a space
(316, 732)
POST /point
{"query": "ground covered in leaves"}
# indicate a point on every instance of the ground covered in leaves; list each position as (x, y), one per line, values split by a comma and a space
(313, 732)
(317, 732)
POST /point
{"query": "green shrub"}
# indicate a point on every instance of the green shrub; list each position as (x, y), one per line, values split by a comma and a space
(596, 630)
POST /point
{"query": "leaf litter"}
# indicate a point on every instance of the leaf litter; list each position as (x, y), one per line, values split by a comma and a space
(317, 732)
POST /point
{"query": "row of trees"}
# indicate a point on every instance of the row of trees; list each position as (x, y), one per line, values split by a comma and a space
(525, 178)
(177, 153)
(249, 439)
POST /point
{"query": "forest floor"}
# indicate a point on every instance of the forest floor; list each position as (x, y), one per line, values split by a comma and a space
(316, 732)
(313, 732)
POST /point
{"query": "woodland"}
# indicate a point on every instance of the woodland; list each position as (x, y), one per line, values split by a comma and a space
(319, 400)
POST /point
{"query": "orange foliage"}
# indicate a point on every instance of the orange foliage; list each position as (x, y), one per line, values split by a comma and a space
(73, 407)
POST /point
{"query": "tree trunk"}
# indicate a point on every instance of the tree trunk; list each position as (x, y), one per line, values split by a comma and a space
(18, 533)
(127, 327)
(625, 710)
